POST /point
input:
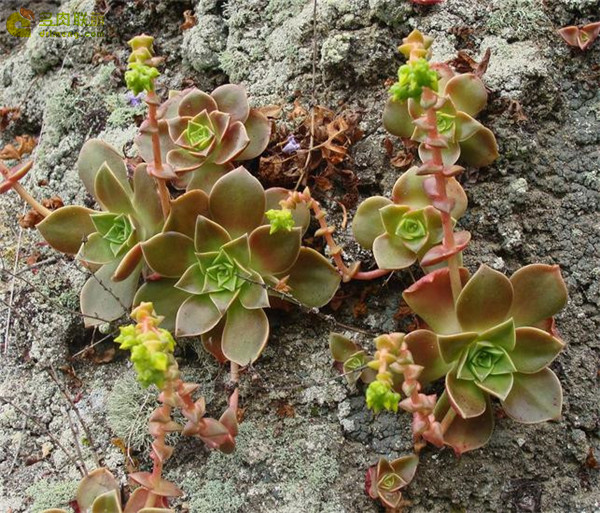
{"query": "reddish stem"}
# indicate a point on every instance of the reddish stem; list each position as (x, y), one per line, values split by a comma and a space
(163, 192)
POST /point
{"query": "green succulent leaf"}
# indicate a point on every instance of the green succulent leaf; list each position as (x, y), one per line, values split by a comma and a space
(479, 150)
(198, 135)
(65, 229)
(466, 434)
(93, 155)
(391, 253)
(237, 202)
(423, 345)
(93, 485)
(184, 212)
(539, 293)
(313, 281)
(452, 346)
(465, 396)
(166, 299)
(485, 301)
(341, 347)
(367, 224)
(253, 294)
(146, 203)
(499, 385)
(534, 350)
(245, 334)
(232, 99)
(467, 92)
(104, 300)
(96, 250)
(206, 175)
(273, 253)
(534, 397)
(431, 299)
(197, 315)
(110, 193)
(258, 128)
(396, 118)
(169, 254)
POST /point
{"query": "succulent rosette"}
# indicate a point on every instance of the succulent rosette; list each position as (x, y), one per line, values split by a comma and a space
(201, 134)
(497, 342)
(386, 479)
(108, 242)
(459, 98)
(221, 265)
(400, 231)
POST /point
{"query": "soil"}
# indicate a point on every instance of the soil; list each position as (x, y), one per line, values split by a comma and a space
(307, 438)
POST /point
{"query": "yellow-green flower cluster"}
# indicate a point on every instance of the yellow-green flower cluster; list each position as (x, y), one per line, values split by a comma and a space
(412, 78)
(280, 220)
(142, 70)
(380, 396)
(151, 347)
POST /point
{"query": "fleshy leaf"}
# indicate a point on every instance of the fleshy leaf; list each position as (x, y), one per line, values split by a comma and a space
(254, 294)
(534, 350)
(110, 193)
(197, 315)
(431, 299)
(312, 279)
(237, 202)
(146, 202)
(466, 398)
(423, 345)
(209, 235)
(539, 293)
(258, 129)
(467, 92)
(109, 502)
(245, 334)
(479, 150)
(65, 229)
(451, 346)
(273, 253)
(367, 224)
(169, 254)
(194, 102)
(390, 253)
(165, 297)
(341, 347)
(232, 98)
(96, 483)
(94, 153)
(396, 118)
(211, 340)
(466, 434)
(499, 385)
(485, 301)
(234, 142)
(502, 335)
(103, 300)
(185, 210)
(408, 190)
(534, 397)
(206, 176)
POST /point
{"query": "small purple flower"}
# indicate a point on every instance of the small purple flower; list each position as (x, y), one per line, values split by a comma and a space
(292, 145)
(134, 100)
